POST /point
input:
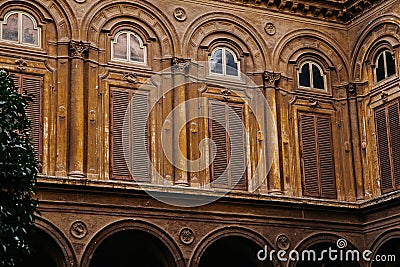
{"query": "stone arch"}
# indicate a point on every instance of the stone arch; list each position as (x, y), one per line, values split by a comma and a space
(310, 42)
(392, 235)
(386, 29)
(58, 12)
(228, 231)
(135, 225)
(320, 238)
(146, 14)
(61, 241)
(213, 26)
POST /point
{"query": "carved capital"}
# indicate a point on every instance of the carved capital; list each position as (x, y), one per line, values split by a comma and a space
(22, 64)
(351, 89)
(179, 64)
(271, 78)
(78, 49)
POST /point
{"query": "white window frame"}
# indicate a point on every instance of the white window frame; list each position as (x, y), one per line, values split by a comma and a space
(35, 27)
(311, 63)
(223, 74)
(128, 51)
(384, 65)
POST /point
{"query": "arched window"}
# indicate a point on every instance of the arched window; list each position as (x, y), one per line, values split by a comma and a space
(384, 66)
(311, 76)
(128, 46)
(224, 62)
(21, 28)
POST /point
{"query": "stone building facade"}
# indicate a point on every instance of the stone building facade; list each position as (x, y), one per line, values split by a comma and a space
(302, 97)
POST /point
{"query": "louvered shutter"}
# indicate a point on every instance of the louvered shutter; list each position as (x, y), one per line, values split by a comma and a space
(32, 85)
(119, 104)
(309, 158)
(218, 127)
(394, 130)
(139, 136)
(237, 146)
(326, 164)
(388, 137)
(317, 160)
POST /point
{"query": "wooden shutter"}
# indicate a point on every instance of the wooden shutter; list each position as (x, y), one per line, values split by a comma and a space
(219, 173)
(118, 106)
(237, 146)
(139, 136)
(136, 135)
(318, 176)
(388, 137)
(226, 129)
(33, 86)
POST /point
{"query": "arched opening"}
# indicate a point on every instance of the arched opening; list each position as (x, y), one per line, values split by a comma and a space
(388, 255)
(233, 251)
(132, 248)
(45, 251)
(326, 254)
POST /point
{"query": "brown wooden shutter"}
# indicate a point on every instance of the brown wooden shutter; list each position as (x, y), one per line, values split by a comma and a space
(226, 129)
(139, 136)
(388, 139)
(33, 86)
(219, 173)
(237, 147)
(118, 106)
(317, 161)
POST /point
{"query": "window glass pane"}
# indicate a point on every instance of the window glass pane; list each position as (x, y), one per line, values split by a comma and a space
(137, 53)
(29, 34)
(304, 76)
(10, 30)
(120, 47)
(390, 66)
(380, 69)
(318, 79)
(216, 62)
(231, 66)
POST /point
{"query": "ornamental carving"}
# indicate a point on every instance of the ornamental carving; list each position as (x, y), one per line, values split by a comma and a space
(78, 49)
(270, 28)
(130, 77)
(179, 64)
(186, 236)
(271, 78)
(282, 242)
(21, 64)
(180, 14)
(78, 230)
(351, 89)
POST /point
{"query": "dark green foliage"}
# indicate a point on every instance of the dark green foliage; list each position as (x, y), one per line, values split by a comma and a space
(17, 174)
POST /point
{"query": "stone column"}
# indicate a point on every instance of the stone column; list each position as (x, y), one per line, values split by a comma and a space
(77, 110)
(274, 178)
(355, 139)
(180, 146)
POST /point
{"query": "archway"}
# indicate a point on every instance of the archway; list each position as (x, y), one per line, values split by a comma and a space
(132, 248)
(233, 251)
(388, 254)
(45, 251)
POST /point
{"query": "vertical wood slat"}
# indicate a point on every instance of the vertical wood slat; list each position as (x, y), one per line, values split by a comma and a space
(317, 162)
(33, 86)
(227, 133)
(387, 124)
(137, 167)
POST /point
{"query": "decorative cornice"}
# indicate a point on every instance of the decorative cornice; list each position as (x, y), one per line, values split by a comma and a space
(332, 10)
(78, 49)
